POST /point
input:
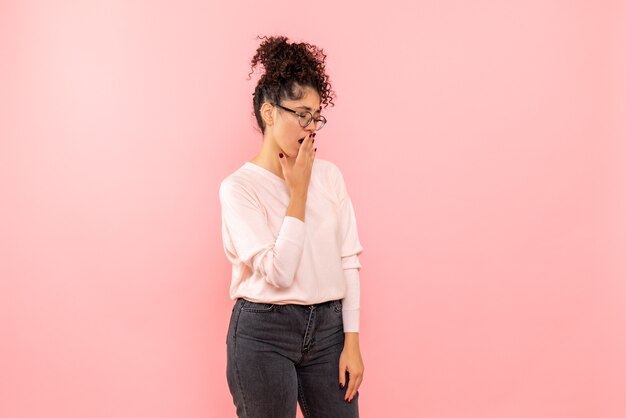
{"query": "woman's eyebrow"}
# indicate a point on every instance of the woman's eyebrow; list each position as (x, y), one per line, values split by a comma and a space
(309, 109)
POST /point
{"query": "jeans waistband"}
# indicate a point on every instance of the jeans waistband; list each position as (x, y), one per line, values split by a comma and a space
(316, 305)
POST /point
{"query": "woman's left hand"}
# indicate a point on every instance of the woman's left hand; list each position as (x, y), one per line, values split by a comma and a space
(351, 361)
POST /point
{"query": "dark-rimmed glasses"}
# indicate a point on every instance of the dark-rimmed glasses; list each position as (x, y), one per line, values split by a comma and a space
(305, 118)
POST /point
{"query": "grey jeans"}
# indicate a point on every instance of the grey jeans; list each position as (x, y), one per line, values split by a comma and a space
(282, 355)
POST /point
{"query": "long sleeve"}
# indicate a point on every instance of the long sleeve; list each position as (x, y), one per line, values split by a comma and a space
(350, 249)
(247, 236)
(351, 302)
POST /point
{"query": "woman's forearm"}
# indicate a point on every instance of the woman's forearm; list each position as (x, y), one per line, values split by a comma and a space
(297, 205)
(351, 339)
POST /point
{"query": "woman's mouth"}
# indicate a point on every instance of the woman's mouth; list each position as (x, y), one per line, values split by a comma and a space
(300, 140)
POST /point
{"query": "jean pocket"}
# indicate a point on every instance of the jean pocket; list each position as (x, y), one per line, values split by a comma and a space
(337, 306)
(248, 306)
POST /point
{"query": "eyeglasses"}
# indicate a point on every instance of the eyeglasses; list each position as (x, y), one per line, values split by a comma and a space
(305, 118)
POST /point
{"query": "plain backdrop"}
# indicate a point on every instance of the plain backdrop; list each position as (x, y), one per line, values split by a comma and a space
(483, 148)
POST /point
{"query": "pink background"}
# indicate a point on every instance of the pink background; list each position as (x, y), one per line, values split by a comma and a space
(483, 147)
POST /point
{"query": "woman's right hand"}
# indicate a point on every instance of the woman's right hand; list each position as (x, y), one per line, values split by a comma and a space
(297, 172)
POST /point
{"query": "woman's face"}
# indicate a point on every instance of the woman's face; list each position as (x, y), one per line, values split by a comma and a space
(287, 131)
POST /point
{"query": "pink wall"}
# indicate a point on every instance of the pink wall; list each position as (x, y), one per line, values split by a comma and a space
(483, 147)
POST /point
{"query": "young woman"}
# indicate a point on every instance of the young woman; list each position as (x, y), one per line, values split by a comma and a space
(289, 230)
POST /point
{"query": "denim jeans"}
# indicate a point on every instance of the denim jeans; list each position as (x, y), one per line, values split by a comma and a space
(282, 355)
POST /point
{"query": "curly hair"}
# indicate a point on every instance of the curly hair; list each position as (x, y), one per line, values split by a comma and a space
(288, 66)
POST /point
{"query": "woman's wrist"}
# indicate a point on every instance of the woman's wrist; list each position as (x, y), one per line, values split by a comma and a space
(297, 205)
(351, 339)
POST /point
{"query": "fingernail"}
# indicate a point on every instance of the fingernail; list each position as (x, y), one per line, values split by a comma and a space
(280, 155)
(341, 385)
(313, 142)
(315, 149)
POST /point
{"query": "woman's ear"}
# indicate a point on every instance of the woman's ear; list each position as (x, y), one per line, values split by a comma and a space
(267, 113)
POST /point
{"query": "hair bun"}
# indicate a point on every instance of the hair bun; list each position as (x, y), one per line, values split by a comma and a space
(279, 58)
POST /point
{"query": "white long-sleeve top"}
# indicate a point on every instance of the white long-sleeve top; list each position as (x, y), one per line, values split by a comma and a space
(281, 259)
